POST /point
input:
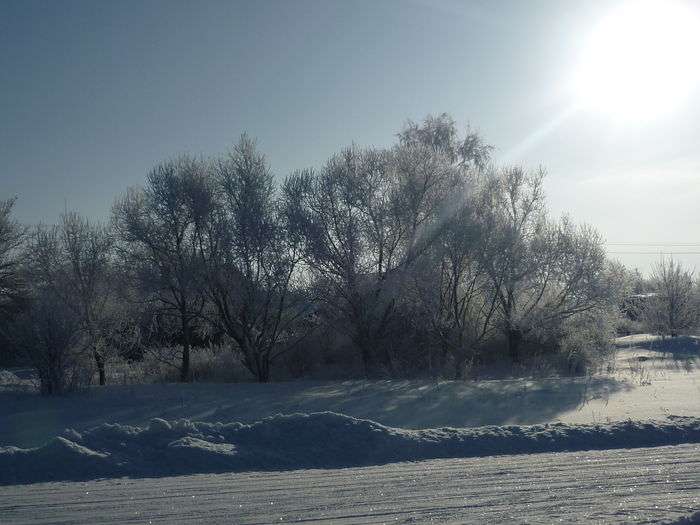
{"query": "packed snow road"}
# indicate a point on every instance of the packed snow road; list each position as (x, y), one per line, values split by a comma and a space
(644, 485)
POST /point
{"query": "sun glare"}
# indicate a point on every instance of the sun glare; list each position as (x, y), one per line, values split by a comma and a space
(642, 60)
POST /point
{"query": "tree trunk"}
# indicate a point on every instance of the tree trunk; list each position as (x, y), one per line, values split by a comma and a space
(388, 361)
(263, 370)
(185, 367)
(460, 367)
(100, 362)
(365, 347)
(374, 361)
(514, 337)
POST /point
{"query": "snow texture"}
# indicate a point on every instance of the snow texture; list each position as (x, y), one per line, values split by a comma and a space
(303, 441)
(8, 378)
(645, 485)
(689, 520)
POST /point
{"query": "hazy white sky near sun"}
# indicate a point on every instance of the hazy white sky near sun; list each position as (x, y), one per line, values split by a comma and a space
(93, 94)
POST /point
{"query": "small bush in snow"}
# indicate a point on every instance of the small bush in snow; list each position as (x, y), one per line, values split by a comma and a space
(673, 309)
(49, 337)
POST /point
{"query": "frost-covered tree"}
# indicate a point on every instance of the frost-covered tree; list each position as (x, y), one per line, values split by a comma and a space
(354, 244)
(50, 337)
(12, 285)
(87, 249)
(673, 309)
(440, 133)
(158, 227)
(456, 293)
(369, 215)
(543, 271)
(63, 326)
(251, 263)
(70, 265)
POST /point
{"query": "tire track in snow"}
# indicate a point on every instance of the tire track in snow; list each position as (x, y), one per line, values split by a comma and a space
(647, 485)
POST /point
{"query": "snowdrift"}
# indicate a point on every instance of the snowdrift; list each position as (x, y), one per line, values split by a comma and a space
(300, 441)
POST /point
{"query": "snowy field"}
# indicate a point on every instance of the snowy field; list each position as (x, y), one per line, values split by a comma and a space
(249, 472)
(649, 380)
(657, 485)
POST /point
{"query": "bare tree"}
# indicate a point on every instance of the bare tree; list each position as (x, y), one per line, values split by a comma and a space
(88, 250)
(50, 336)
(543, 272)
(251, 264)
(71, 264)
(512, 214)
(456, 292)
(673, 308)
(369, 215)
(12, 285)
(158, 226)
(440, 133)
(357, 241)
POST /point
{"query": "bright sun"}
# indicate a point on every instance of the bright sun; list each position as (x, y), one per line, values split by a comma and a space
(642, 60)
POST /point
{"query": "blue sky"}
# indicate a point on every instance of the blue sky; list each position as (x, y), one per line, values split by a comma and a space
(93, 94)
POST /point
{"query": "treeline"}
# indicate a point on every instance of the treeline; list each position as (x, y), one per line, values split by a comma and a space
(667, 303)
(421, 258)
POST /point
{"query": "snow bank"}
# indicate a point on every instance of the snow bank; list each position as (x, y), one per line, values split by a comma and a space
(11, 381)
(8, 378)
(297, 441)
(693, 519)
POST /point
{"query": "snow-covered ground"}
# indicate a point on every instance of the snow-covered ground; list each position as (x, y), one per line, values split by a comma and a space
(650, 380)
(649, 397)
(28, 420)
(318, 440)
(657, 485)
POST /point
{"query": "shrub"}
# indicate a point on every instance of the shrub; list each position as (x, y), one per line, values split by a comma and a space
(586, 342)
(50, 338)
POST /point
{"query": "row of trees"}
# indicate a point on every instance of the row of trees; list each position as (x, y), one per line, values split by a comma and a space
(668, 302)
(416, 254)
